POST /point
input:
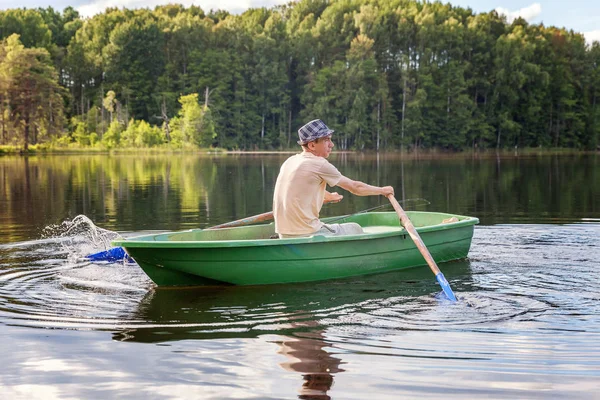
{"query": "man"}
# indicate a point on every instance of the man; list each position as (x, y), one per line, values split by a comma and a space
(300, 187)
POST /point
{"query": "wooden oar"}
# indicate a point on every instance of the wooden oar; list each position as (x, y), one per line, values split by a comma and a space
(118, 253)
(422, 248)
(246, 221)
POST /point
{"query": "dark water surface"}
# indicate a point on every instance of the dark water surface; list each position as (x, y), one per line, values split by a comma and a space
(527, 324)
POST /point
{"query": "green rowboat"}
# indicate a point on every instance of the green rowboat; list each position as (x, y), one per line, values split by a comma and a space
(247, 255)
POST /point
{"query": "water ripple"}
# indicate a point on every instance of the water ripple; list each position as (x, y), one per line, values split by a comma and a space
(517, 276)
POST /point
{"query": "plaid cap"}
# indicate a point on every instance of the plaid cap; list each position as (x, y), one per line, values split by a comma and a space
(312, 131)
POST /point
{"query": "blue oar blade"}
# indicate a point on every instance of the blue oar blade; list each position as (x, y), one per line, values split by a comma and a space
(113, 254)
(445, 286)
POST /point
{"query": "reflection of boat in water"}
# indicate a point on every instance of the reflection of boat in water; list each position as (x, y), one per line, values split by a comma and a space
(290, 316)
(247, 256)
(167, 314)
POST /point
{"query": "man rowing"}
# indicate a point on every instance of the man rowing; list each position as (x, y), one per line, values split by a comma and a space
(300, 189)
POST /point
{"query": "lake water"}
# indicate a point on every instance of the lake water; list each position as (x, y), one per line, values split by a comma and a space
(527, 323)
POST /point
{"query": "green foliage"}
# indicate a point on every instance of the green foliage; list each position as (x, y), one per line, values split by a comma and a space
(135, 60)
(109, 102)
(191, 117)
(141, 134)
(31, 101)
(28, 24)
(80, 133)
(112, 137)
(383, 74)
(93, 138)
(194, 125)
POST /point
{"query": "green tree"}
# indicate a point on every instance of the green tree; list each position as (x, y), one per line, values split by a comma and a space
(592, 138)
(194, 123)
(383, 73)
(30, 91)
(28, 24)
(134, 62)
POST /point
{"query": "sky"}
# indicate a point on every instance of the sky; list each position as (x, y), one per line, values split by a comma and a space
(579, 15)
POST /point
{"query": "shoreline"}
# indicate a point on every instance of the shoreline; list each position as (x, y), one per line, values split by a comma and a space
(15, 151)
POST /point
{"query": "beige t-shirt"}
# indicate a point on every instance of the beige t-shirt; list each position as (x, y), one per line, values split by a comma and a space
(299, 193)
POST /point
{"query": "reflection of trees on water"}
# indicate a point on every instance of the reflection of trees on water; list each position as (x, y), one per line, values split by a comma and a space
(176, 191)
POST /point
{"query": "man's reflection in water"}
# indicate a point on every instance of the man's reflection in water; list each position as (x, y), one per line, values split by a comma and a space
(307, 356)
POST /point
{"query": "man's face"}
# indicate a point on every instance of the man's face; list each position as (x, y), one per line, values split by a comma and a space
(322, 147)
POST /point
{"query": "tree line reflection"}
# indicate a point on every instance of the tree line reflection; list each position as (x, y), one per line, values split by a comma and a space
(169, 192)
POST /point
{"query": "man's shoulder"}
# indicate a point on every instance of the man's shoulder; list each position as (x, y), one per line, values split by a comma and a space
(292, 159)
(309, 161)
(304, 158)
(311, 158)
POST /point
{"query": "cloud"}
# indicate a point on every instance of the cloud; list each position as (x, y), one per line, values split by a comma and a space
(592, 36)
(527, 13)
(234, 6)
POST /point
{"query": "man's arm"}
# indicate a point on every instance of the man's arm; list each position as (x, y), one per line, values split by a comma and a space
(362, 189)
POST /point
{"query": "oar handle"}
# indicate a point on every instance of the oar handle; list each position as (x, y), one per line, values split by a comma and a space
(410, 228)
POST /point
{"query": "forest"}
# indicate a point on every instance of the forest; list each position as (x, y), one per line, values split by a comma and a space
(384, 74)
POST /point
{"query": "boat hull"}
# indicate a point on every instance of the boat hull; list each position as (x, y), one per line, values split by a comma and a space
(170, 262)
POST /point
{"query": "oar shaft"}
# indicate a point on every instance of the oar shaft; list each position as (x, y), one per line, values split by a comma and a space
(410, 228)
(255, 219)
(246, 221)
(439, 276)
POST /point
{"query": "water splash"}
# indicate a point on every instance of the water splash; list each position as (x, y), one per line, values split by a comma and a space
(50, 283)
(80, 236)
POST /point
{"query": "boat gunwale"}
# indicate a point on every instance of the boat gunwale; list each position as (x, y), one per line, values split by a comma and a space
(143, 242)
